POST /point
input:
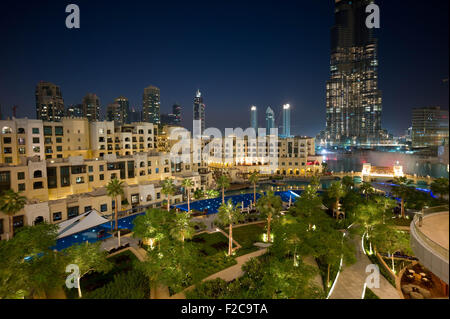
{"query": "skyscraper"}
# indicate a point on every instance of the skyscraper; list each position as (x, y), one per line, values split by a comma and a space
(353, 101)
(176, 111)
(49, 102)
(75, 110)
(270, 120)
(429, 126)
(124, 109)
(286, 120)
(199, 110)
(115, 113)
(91, 107)
(151, 104)
(254, 118)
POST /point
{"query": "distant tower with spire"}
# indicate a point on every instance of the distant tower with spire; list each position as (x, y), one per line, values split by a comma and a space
(199, 110)
(270, 120)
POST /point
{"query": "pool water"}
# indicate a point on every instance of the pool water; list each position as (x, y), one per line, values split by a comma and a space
(91, 235)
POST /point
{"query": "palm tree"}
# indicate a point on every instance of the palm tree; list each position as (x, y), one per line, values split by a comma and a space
(211, 193)
(440, 186)
(223, 182)
(182, 226)
(336, 191)
(253, 178)
(11, 203)
(270, 207)
(366, 189)
(114, 189)
(168, 189)
(401, 189)
(187, 184)
(229, 214)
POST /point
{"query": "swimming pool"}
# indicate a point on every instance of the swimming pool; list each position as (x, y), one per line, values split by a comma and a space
(91, 235)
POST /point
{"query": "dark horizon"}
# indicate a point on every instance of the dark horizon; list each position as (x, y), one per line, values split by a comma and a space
(238, 54)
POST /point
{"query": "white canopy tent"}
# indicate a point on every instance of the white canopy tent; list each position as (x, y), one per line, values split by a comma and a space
(82, 222)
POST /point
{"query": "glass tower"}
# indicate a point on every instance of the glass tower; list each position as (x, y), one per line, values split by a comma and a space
(353, 100)
(270, 120)
(199, 110)
(151, 104)
(286, 120)
(254, 118)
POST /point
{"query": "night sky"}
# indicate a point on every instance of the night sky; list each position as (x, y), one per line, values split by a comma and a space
(238, 53)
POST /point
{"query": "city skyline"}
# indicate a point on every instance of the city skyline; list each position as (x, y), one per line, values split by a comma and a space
(257, 83)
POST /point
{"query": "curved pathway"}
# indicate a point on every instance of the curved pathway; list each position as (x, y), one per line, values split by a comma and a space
(350, 283)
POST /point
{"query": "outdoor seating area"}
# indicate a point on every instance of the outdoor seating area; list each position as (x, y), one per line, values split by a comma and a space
(418, 282)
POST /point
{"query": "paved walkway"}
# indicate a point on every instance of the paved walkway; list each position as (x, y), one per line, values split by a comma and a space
(350, 283)
(227, 274)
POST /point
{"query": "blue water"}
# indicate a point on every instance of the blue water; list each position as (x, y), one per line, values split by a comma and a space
(91, 235)
(212, 205)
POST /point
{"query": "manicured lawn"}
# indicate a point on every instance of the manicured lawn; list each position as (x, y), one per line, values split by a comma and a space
(247, 235)
(211, 244)
(370, 294)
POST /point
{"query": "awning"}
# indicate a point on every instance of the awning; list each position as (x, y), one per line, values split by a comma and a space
(82, 222)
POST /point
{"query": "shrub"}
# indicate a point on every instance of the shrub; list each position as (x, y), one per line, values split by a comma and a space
(129, 285)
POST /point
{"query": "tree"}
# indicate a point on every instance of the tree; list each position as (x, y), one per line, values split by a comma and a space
(87, 257)
(386, 204)
(10, 204)
(366, 189)
(168, 189)
(440, 187)
(336, 191)
(27, 265)
(182, 226)
(348, 182)
(254, 178)
(369, 216)
(153, 226)
(269, 206)
(114, 189)
(308, 204)
(388, 239)
(212, 193)
(401, 189)
(229, 214)
(223, 182)
(187, 184)
(199, 193)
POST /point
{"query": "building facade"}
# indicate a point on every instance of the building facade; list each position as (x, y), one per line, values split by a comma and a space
(151, 104)
(429, 127)
(353, 100)
(199, 112)
(49, 102)
(286, 120)
(91, 107)
(270, 120)
(254, 118)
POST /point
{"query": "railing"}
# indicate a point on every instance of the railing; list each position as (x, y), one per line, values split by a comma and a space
(416, 223)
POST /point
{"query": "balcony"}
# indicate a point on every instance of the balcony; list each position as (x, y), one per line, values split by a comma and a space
(430, 240)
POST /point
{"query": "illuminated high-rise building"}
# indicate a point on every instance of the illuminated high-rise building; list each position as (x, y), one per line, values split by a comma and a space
(176, 111)
(429, 126)
(199, 111)
(91, 107)
(286, 120)
(353, 100)
(49, 102)
(151, 104)
(254, 118)
(124, 110)
(270, 120)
